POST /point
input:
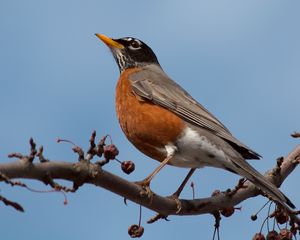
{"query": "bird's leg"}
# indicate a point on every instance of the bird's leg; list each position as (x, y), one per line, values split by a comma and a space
(146, 182)
(177, 193)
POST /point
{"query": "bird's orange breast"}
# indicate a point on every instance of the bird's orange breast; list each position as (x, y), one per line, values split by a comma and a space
(148, 126)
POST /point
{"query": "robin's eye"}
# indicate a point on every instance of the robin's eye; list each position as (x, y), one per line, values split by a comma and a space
(135, 44)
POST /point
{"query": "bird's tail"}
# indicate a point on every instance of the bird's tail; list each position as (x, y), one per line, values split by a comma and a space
(244, 169)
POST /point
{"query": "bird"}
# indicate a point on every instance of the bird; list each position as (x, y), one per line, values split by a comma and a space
(163, 121)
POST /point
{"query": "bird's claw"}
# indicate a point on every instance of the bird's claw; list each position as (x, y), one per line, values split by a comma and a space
(177, 201)
(146, 190)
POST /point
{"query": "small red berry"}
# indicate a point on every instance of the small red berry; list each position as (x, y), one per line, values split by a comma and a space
(110, 152)
(135, 231)
(285, 234)
(273, 235)
(227, 212)
(281, 217)
(258, 236)
(127, 167)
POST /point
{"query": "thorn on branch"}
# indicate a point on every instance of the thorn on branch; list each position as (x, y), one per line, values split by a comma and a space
(15, 205)
(41, 156)
(157, 217)
(32, 150)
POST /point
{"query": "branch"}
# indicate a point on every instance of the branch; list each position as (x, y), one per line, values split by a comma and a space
(84, 171)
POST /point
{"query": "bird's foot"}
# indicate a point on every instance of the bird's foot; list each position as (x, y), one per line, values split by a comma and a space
(175, 197)
(146, 190)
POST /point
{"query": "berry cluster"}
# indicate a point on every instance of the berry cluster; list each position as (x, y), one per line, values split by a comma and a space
(280, 216)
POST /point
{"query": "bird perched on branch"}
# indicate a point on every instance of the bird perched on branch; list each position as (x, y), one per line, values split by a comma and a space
(167, 124)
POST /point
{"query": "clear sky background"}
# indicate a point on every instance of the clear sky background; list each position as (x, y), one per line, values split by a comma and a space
(240, 59)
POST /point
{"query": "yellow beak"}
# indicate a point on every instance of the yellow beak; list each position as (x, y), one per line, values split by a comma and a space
(109, 42)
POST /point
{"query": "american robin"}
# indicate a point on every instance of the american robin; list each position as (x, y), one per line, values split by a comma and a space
(165, 123)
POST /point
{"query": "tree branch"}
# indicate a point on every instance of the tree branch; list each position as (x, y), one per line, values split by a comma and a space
(86, 172)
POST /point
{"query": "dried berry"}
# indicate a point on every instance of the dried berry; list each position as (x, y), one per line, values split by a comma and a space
(100, 147)
(110, 152)
(227, 212)
(281, 216)
(294, 229)
(285, 234)
(127, 167)
(253, 217)
(135, 231)
(258, 236)
(273, 235)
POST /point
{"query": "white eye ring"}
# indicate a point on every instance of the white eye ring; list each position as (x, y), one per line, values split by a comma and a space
(135, 44)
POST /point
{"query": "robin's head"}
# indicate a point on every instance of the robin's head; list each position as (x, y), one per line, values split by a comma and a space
(129, 52)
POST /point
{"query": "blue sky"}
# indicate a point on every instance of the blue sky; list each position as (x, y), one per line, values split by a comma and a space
(240, 59)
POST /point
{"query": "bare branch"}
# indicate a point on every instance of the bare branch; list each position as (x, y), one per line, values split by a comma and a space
(85, 172)
(15, 205)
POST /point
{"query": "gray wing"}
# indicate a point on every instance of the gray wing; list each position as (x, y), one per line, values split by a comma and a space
(154, 85)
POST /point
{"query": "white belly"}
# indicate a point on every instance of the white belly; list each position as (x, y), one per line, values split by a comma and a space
(195, 151)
